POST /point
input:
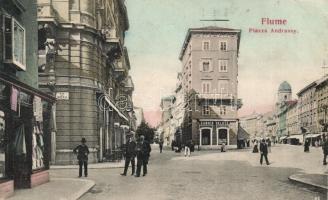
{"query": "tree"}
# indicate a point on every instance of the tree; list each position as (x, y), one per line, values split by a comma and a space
(146, 130)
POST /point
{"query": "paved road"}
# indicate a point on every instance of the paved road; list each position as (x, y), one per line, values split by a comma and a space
(172, 176)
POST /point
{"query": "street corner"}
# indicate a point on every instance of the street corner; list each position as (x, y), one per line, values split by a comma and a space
(319, 181)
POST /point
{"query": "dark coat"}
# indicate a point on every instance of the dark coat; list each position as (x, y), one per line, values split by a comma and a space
(143, 149)
(264, 148)
(82, 152)
(325, 146)
(130, 149)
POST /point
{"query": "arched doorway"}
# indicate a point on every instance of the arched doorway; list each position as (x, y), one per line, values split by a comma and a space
(206, 136)
(223, 136)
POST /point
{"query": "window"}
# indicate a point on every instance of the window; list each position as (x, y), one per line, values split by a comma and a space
(206, 46)
(223, 86)
(206, 110)
(206, 66)
(206, 87)
(14, 43)
(223, 46)
(223, 65)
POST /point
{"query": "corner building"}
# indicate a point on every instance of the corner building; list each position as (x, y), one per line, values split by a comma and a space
(84, 63)
(209, 59)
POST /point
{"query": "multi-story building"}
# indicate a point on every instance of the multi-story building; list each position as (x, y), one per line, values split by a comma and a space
(284, 96)
(178, 110)
(294, 132)
(249, 123)
(83, 61)
(209, 75)
(292, 119)
(166, 132)
(25, 111)
(307, 108)
(322, 104)
(271, 126)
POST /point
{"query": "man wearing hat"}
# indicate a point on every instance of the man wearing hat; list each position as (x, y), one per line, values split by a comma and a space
(82, 152)
(143, 150)
(130, 154)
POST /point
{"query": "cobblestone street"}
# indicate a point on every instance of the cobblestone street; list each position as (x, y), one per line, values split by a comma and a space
(205, 175)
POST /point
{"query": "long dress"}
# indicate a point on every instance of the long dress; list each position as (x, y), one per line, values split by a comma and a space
(255, 148)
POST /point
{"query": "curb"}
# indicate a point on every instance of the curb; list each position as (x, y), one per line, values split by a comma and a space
(54, 167)
(305, 182)
(88, 186)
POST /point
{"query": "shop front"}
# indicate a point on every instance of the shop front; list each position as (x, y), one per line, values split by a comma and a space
(25, 135)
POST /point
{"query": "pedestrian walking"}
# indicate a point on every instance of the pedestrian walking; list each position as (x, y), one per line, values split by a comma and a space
(255, 148)
(269, 145)
(129, 154)
(325, 149)
(307, 146)
(187, 149)
(143, 150)
(160, 146)
(82, 152)
(264, 152)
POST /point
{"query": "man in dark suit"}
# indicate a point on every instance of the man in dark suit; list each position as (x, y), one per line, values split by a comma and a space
(130, 154)
(264, 152)
(325, 149)
(82, 152)
(143, 153)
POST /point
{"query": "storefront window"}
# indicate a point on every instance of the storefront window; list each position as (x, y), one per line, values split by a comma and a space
(2, 145)
(38, 135)
(38, 146)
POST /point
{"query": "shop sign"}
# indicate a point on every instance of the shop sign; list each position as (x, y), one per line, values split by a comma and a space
(62, 95)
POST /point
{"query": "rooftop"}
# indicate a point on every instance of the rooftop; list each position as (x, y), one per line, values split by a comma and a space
(208, 29)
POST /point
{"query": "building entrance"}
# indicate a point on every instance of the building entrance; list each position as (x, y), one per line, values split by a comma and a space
(223, 136)
(206, 137)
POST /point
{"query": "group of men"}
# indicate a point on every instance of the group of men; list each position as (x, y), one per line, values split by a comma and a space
(140, 149)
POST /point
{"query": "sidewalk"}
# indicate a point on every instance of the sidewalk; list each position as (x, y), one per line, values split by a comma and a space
(56, 189)
(103, 165)
(315, 180)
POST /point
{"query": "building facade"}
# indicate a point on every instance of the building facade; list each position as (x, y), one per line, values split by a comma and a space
(292, 119)
(284, 96)
(83, 61)
(307, 108)
(322, 104)
(166, 132)
(209, 77)
(25, 111)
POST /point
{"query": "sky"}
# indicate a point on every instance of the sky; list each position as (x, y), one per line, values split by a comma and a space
(158, 29)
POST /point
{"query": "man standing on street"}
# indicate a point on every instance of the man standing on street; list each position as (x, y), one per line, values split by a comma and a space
(160, 146)
(82, 152)
(264, 152)
(129, 153)
(325, 149)
(143, 154)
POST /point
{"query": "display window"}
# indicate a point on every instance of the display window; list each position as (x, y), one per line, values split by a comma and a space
(2, 145)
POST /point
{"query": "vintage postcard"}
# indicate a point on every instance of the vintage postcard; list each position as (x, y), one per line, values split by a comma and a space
(163, 99)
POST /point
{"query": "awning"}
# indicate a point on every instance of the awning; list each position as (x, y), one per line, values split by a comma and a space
(242, 133)
(299, 137)
(116, 109)
(312, 135)
(282, 137)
